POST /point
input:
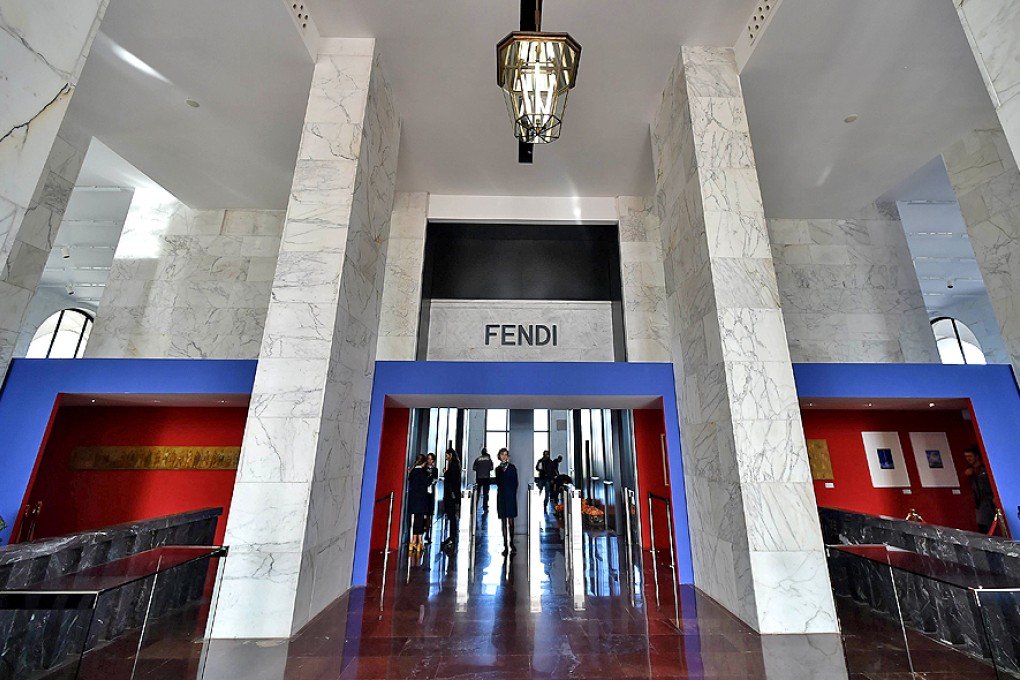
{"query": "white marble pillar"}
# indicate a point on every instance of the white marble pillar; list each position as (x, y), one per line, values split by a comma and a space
(644, 287)
(849, 290)
(187, 284)
(754, 529)
(294, 512)
(43, 46)
(986, 180)
(405, 258)
(993, 30)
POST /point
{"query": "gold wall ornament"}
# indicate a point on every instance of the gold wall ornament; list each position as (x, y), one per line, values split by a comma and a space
(821, 462)
(155, 457)
(536, 71)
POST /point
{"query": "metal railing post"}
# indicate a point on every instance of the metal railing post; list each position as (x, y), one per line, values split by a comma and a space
(651, 533)
(386, 553)
(576, 551)
(672, 559)
(465, 547)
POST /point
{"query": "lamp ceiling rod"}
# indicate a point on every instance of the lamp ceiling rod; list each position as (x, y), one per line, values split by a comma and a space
(531, 20)
(531, 15)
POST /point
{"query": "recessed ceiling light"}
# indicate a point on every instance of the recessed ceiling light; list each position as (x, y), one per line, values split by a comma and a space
(811, 403)
(868, 404)
(852, 118)
(192, 103)
(931, 405)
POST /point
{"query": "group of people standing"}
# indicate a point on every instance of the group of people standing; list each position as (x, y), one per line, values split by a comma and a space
(421, 495)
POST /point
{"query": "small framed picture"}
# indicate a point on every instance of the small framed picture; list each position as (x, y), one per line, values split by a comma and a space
(934, 458)
(885, 459)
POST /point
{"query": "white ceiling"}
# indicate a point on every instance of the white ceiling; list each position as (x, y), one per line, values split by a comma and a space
(242, 60)
(92, 225)
(904, 67)
(457, 139)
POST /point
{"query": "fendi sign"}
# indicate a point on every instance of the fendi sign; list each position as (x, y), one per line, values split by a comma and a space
(517, 335)
(519, 330)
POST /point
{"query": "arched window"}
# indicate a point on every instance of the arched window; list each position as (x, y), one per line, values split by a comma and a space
(957, 344)
(62, 336)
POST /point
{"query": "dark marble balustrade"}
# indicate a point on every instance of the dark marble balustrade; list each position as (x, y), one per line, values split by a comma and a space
(35, 640)
(934, 606)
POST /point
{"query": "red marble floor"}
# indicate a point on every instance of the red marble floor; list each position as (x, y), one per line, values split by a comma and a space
(422, 628)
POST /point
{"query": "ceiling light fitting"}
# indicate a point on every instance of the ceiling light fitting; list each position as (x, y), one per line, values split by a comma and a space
(192, 103)
(536, 72)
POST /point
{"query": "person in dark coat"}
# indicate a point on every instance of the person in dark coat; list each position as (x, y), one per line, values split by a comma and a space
(980, 489)
(483, 478)
(451, 496)
(506, 498)
(547, 472)
(418, 483)
(433, 470)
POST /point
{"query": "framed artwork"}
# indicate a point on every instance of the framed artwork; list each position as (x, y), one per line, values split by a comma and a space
(885, 460)
(819, 459)
(934, 460)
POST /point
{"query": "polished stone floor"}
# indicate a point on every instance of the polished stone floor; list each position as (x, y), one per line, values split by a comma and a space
(495, 626)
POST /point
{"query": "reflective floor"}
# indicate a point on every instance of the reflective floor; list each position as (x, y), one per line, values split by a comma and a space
(495, 626)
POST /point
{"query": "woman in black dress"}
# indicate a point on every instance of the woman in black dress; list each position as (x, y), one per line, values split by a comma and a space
(418, 483)
(506, 498)
(430, 467)
(451, 495)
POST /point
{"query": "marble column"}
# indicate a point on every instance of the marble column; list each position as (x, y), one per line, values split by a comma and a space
(43, 47)
(986, 180)
(294, 512)
(993, 30)
(849, 290)
(754, 530)
(644, 287)
(187, 284)
(405, 258)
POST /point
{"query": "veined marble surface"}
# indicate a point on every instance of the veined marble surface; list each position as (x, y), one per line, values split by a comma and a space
(405, 258)
(986, 180)
(755, 537)
(644, 283)
(43, 46)
(302, 458)
(187, 283)
(993, 30)
(849, 290)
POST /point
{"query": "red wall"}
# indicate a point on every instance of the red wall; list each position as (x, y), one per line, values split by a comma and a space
(392, 461)
(853, 489)
(79, 500)
(649, 426)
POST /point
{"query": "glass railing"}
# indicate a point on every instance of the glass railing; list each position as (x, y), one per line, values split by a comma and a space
(114, 620)
(928, 601)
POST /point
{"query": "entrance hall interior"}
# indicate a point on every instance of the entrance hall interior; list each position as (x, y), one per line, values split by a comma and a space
(756, 290)
(611, 467)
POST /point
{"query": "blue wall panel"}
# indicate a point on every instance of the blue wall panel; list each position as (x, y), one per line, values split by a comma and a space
(992, 391)
(404, 378)
(32, 386)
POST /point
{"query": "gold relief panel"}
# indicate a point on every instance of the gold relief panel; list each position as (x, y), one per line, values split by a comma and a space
(818, 457)
(155, 457)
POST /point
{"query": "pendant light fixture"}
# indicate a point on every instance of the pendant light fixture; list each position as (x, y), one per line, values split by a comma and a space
(536, 71)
